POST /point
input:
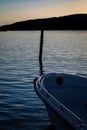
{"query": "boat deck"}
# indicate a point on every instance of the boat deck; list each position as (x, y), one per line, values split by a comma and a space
(77, 106)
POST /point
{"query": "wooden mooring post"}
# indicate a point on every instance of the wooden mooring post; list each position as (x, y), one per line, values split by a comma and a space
(41, 51)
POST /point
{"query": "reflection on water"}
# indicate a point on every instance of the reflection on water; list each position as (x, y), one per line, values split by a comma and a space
(41, 67)
(20, 107)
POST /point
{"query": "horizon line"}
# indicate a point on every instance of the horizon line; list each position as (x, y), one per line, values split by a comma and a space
(44, 18)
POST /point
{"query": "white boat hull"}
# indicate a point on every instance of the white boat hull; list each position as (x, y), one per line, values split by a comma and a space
(57, 120)
(54, 88)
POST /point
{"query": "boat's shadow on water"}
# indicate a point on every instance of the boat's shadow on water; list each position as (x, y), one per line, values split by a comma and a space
(51, 127)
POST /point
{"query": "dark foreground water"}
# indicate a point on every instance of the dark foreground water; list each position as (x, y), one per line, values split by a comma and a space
(20, 107)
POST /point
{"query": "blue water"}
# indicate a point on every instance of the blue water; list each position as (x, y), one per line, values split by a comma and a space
(64, 51)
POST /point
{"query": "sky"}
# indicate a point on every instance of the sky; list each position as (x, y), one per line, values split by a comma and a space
(20, 10)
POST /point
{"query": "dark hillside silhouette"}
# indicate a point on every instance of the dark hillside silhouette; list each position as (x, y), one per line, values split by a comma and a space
(70, 22)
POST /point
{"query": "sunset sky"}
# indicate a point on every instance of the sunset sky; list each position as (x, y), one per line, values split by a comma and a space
(19, 10)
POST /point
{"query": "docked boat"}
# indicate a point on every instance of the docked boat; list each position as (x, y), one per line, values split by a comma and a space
(65, 98)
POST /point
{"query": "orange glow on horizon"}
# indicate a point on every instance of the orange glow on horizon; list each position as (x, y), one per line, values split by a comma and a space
(25, 11)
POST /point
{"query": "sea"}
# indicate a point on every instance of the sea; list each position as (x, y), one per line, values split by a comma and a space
(63, 52)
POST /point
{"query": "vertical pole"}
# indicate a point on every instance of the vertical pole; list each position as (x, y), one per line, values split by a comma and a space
(40, 52)
(41, 45)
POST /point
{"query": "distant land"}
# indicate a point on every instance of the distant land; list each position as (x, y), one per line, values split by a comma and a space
(69, 22)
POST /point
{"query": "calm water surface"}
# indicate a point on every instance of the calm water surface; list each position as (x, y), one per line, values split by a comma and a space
(64, 51)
